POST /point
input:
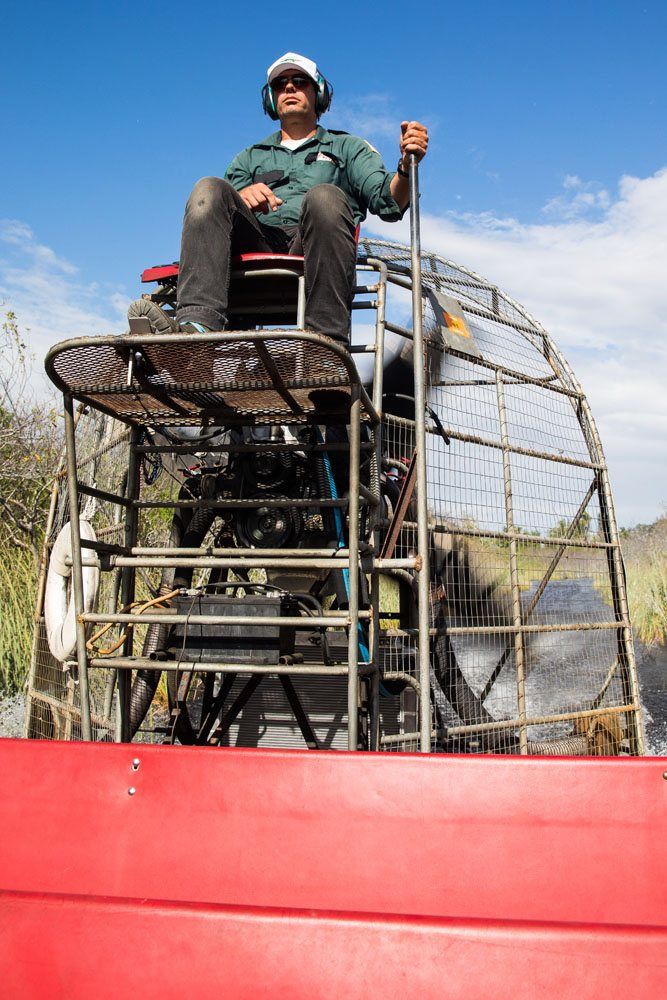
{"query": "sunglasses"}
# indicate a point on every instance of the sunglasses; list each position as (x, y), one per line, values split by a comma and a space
(299, 82)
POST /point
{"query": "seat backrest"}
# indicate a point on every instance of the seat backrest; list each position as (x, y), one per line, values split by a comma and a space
(263, 288)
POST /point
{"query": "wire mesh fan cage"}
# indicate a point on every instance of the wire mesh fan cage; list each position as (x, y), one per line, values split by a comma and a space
(530, 647)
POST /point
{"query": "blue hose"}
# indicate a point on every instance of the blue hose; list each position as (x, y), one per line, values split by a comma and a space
(338, 519)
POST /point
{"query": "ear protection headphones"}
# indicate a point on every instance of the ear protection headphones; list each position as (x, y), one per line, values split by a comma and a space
(323, 98)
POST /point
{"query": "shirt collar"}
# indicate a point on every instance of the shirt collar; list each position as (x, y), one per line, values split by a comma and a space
(321, 136)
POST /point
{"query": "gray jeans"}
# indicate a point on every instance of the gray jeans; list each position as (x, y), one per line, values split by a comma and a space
(218, 225)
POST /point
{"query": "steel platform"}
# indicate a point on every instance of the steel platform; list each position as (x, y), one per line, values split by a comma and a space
(236, 378)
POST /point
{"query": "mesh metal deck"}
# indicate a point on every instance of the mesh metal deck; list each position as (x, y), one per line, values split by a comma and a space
(231, 378)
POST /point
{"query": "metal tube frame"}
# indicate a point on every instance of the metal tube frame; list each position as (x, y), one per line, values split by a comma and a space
(378, 382)
(77, 567)
(126, 664)
(424, 603)
(127, 586)
(353, 596)
(258, 563)
(519, 665)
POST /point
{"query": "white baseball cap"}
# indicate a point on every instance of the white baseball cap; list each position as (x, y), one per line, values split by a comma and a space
(292, 60)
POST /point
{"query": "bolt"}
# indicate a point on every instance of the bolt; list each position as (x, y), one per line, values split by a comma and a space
(131, 790)
(135, 764)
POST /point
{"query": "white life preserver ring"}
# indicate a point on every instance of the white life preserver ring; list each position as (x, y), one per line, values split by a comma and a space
(59, 614)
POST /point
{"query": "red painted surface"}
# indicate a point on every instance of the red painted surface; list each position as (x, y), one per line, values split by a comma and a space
(246, 261)
(81, 948)
(276, 864)
(160, 272)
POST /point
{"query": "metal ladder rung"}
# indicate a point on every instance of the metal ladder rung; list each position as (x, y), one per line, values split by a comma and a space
(210, 666)
(168, 618)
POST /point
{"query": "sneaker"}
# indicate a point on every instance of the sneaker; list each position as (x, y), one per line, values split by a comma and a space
(159, 320)
(145, 311)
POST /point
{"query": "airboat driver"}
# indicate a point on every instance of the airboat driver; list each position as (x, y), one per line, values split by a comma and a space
(303, 190)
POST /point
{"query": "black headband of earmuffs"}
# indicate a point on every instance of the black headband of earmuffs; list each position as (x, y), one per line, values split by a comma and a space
(323, 98)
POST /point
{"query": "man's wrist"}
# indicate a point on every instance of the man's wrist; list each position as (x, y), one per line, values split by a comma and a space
(400, 169)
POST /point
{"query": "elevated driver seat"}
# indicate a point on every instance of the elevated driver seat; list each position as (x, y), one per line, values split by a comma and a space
(266, 289)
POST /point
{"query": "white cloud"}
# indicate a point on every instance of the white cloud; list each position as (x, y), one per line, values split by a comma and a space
(368, 115)
(594, 275)
(579, 198)
(48, 295)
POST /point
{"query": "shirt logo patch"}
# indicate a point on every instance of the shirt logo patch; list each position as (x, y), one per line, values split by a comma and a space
(324, 157)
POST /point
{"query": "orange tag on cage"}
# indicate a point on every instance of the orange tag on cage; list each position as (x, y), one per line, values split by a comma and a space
(456, 324)
(456, 329)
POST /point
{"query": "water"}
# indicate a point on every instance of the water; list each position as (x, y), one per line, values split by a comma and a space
(652, 667)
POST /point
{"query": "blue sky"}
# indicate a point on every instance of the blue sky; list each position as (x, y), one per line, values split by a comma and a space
(541, 116)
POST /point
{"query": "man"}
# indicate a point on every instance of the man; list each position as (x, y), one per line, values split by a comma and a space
(302, 190)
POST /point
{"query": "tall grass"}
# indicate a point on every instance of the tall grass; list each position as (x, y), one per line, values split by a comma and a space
(18, 582)
(647, 595)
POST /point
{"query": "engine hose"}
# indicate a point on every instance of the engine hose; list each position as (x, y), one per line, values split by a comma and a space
(146, 681)
(143, 691)
(340, 535)
(323, 491)
(196, 527)
(567, 746)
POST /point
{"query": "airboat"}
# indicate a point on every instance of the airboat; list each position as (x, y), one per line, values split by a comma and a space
(332, 672)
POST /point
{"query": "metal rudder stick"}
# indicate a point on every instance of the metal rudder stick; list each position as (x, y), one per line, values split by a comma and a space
(424, 592)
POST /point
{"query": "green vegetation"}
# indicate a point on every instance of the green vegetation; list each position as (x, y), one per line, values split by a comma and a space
(582, 530)
(645, 553)
(29, 449)
(18, 581)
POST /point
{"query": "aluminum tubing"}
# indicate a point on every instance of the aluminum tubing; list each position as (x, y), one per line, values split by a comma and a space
(146, 681)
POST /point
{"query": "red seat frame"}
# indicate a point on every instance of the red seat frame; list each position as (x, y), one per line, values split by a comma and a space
(244, 262)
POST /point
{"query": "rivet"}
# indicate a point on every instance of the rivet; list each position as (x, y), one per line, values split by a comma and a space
(135, 764)
(664, 774)
(131, 790)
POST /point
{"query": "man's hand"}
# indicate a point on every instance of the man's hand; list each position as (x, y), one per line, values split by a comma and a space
(414, 139)
(260, 198)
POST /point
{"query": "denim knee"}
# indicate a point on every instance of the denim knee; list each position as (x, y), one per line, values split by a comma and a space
(208, 194)
(324, 203)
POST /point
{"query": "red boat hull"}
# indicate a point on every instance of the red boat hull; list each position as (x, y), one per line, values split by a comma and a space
(290, 873)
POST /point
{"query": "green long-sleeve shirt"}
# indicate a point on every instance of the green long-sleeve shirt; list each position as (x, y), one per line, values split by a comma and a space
(329, 157)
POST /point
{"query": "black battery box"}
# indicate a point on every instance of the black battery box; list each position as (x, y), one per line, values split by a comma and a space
(202, 641)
